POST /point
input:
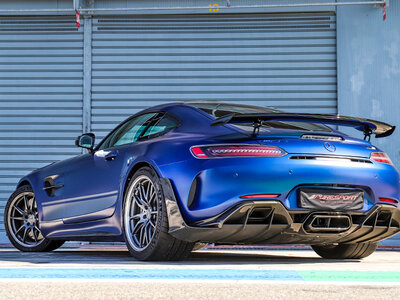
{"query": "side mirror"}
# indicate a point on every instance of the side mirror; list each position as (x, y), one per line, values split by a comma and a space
(86, 141)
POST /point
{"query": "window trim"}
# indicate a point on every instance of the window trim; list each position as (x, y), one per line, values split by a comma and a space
(121, 125)
(157, 134)
(139, 139)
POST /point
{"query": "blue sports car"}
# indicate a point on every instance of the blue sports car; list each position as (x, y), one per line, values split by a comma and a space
(177, 176)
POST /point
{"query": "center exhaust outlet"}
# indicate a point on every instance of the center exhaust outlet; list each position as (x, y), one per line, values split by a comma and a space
(327, 223)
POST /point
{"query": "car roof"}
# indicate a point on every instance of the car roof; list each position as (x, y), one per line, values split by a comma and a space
(197, 102)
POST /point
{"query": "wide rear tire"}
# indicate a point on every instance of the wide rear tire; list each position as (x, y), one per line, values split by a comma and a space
(21, 221)
(345, 251)
(145, 221)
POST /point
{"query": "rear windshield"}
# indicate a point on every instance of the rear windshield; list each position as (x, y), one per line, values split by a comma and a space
(217, 110)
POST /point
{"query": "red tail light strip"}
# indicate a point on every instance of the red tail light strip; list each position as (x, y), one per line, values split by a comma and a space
(236, 151)
(388, 200)
(260, 196)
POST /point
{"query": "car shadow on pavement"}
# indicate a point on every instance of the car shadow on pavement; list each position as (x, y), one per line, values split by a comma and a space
(120, 257)
(288, 257)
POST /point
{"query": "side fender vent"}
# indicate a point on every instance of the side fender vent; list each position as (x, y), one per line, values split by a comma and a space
(193, 192)
(50, 186)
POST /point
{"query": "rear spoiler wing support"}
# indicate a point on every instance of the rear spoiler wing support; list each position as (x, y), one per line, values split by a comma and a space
(367, 126)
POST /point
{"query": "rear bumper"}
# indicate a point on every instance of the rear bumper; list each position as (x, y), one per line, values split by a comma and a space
(269, 222)
(209, 187)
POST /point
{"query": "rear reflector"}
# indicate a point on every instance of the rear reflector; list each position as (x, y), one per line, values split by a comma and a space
(381, 157)
(237, 151)
(260, 196)
(388, 200)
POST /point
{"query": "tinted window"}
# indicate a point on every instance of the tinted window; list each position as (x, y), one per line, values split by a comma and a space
(128, 132)
(160, 125)
(221, 109)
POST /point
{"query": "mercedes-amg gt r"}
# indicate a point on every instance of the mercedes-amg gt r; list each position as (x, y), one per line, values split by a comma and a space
(179, 175)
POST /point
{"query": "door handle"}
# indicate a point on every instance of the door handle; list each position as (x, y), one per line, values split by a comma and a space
(111, 156)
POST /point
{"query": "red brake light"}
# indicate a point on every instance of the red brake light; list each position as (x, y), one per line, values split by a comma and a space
(381, 157)
(198, 152)
(237, 151)
(388, 200)
(260, 196)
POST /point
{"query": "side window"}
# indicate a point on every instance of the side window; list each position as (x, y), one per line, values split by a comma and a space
(160, 125)
(128, 132)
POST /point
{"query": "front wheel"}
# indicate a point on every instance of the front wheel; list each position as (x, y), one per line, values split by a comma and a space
(343, 251)
(145, 221)
(21, 221)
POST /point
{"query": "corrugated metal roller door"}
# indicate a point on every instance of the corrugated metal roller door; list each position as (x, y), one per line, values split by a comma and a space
(283, 60)
(40, 96)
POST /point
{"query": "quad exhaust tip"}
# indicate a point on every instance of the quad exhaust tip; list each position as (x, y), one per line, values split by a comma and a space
(328, 223)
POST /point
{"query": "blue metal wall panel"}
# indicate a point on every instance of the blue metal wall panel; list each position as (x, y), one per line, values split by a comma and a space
(369, 70)
(29, 4)
(202, 6)
(40, 96)
(282, 60)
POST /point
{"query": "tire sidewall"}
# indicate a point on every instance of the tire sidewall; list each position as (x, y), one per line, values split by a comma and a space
(346, 251)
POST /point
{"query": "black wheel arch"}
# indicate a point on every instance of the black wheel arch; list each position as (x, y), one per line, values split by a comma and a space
(138, 165)
(24, 182)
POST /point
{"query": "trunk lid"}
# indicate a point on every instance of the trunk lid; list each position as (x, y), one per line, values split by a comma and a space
(307, 144)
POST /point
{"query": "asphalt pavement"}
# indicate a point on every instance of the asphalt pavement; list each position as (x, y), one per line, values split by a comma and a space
(109, 272)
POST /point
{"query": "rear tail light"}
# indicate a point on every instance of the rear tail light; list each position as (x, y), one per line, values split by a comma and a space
(260, 196)
(237, 151)
(381, 157)
(388, 200)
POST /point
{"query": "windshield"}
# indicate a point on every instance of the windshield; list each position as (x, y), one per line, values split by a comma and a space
(217, 110)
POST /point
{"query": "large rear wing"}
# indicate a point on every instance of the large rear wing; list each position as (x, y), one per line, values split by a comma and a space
(367, 126)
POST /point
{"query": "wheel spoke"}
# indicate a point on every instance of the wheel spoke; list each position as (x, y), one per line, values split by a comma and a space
(143, 193)
(139, 202)
(26, 203)
(32, 204)
(139, 190)
(38, 231)
(25, 233)
(141, 236)
(136, 227)
(18, 218)
(152, 224)
(148, 232)
(137, 216)
(19, 210)
(152, 195)
(20, 229)
(144, 232)
(149, 185)
(35, 235)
